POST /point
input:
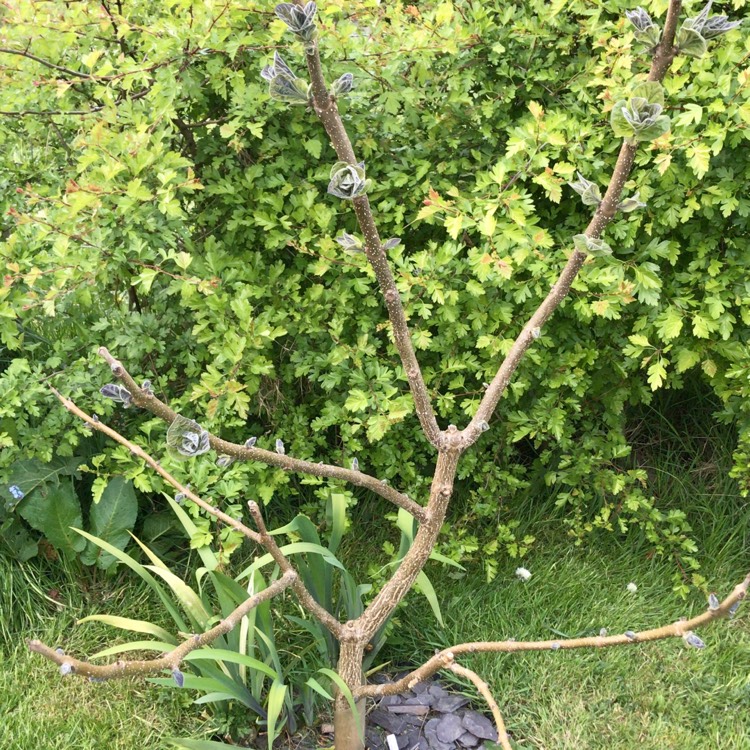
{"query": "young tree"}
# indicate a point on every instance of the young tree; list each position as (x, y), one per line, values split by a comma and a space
(636, 119)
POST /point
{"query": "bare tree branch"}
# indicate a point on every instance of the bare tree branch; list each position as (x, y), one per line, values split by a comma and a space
(327, 110)
(173, 658)
(148, 401)
(261, 537)
(305, 597)
(605, 213)
(445, 658)
(136, 450)
(484, 690)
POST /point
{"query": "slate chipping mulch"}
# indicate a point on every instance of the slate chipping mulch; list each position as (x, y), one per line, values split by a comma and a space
(428, 717)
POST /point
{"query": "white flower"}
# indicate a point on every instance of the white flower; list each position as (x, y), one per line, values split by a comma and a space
(523, 574)
(632, 588)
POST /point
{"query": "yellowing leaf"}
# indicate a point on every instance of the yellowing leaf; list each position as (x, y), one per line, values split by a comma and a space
(488, 224)
(454, 224)
(536, 110)
(90, 60)
(699, 157)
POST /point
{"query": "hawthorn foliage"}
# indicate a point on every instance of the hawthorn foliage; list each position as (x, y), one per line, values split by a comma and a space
(156, 199)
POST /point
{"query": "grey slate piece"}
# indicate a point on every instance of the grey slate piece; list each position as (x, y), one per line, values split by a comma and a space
(450, 703)
(480, 726)
(450, 728)
(430, 732)
(467, 739)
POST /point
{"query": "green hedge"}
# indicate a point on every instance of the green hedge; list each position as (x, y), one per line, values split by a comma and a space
(184, 223)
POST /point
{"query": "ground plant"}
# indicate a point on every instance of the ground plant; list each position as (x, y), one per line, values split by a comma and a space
(637, 116)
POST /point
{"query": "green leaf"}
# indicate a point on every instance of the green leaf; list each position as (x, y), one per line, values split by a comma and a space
(55, 511)
(275, 704)
(135, 626)
(652, 91)
(344, 690)
(428, 591)
(313, 147)
(140, 571)
(187, 744)
(690, 42)
(219, 654)
(111, 519)
(620, 126)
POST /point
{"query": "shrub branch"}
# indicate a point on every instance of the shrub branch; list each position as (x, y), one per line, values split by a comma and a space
(445, 658)
(261, 537)
(148, 401)
(172, 659)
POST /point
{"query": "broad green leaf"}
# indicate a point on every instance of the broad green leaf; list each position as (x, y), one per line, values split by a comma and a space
(275, 703)
(55, 510)
(111, 519)
(185, 595)
(121, 648)
(218, 654)
(140, 571)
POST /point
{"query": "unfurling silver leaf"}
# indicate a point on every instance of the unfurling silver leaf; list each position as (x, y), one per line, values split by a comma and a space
(280, 449)
(348, 180)
(117, 393)
(299, 18)
(223, 461)
(391, 243)
(178, 677)
(589, 191)
(631, 204)
(342, 85)
(355, 464)
(186, 439)
(350, 243)
(250, 442)
(284, 84)
(713, 602)
(693, 640)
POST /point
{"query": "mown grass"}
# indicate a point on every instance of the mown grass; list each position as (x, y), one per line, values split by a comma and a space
(42, 711)
(654, 696)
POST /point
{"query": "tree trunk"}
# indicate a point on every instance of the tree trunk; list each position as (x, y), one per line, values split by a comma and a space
(348, 726)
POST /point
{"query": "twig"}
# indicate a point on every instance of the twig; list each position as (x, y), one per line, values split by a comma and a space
(136, 450)
(172, 659)
(484, 690)
(605, 212)
(328, 113)
(305, 597)
(151, 403)
(441, 660)
(261, 537)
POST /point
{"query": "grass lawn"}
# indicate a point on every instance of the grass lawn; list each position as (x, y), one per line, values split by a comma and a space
(42, 711)
(655, 696)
